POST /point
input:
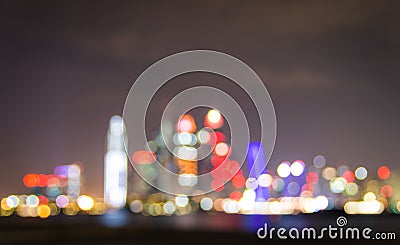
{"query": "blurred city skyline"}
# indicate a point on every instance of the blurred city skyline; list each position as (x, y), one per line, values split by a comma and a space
(331, 69)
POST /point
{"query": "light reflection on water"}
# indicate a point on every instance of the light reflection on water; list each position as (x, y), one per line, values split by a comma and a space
(115, 219)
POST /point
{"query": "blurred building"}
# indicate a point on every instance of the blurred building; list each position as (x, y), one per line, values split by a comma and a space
(115, 165)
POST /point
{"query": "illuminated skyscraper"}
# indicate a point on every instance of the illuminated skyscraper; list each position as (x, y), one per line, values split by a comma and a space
(115, 165)
(257, 169)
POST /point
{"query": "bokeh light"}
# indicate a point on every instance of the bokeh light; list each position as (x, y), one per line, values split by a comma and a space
(349, 176)
(206, 204)
(4, 205)
(383, 172)
(319, 161)
(214, 116)
(144, 157)
(338, 185)
(31, 180)
(136, 206)
(62, 201)
(186, 124)
(204, 136)
(329, 173)
(312, 178)
(322, 202)
(361, 173)
(181, 200)
(297, 168)
(85, 202)
(293, 188)
(278, 184)
(251, 183)
(283, 169)
(12, 201)
(32, 201)
(187, 179)
(351, 189)
(238, 181)
(169, 207)
(222, 149)
(43, 211)
(386, 191)
(214, 119)
(369, 196)
(264, 180)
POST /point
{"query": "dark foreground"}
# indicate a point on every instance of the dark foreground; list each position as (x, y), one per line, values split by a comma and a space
(126, 228)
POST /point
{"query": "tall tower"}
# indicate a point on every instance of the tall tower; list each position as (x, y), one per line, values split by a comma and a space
(115, 165)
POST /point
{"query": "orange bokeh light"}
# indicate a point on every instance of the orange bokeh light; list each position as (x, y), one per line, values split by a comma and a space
(31, 180)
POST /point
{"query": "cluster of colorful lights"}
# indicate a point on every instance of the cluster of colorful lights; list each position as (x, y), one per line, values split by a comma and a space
(43, 207)
(323, 188)
(186, 141)
(52, 194)
(291, 187)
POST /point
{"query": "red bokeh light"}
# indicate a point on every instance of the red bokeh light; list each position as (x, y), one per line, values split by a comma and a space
(307, 187)
(220, 137)
(144, 157)
(43, 200)
(235, 195)
(53, 181)
(349, 176)
(312, 178)
(42, 180)
(386, 191)
(217, 185)
(217, 160)
(383, 172)
(238, 181)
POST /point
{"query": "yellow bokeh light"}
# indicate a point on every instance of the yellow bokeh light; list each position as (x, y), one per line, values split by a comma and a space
(85, 202)
(4, 205)
(43, 211)
(351, 207)
(369, 196)
(351, 189)
(329, 173)
(71, 209)
(214, 116)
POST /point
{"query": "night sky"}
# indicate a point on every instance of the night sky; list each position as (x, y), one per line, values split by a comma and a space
(331, 67)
